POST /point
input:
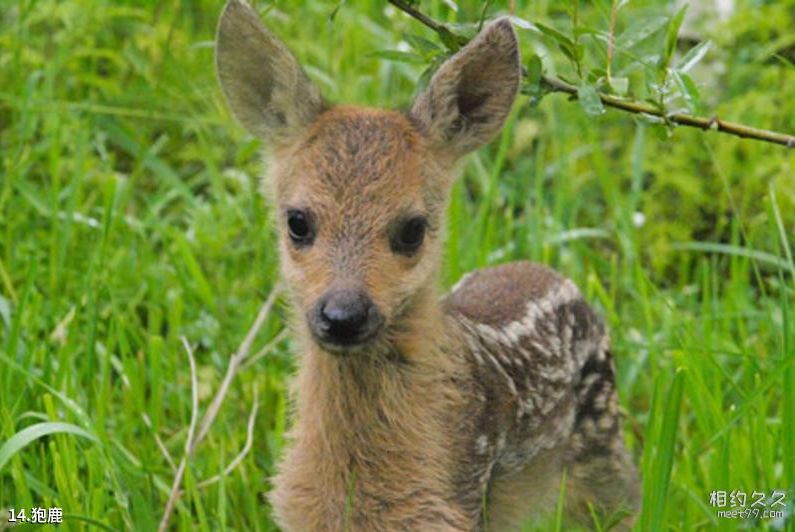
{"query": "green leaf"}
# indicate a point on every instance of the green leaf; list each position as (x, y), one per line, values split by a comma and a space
(689, 90)
(590, 100)
(693, 56)
(334, 11)
(620, 85)
(534, 70)
(30, 434)
(597, 74)
(452, 41)
(573, 51)
(640, 31)
(401, 57)
(422, 45)
(570, 53)
(521, 23)
(586, 30)
(532, 85)
(555, 34)
(579, 51)
(463, 31)
(671, 35)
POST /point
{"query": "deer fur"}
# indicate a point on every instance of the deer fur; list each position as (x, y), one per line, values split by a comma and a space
(420, 412)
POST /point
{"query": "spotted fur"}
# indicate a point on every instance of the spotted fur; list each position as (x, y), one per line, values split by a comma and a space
(544, 393)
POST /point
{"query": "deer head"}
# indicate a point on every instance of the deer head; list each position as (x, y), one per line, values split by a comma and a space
(359, 194)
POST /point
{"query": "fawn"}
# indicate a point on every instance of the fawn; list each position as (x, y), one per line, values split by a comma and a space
(415, 411)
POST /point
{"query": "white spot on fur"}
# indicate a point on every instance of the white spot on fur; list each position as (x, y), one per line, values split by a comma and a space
(605, 422)
(588, 428)
(476, 354)
(600, 401)
(509, 334)
(563, 293)
(527, 406)
(604, 346)
(501, 442)
(498, 367)
(590, 380)
(538, 346)
(482, 444)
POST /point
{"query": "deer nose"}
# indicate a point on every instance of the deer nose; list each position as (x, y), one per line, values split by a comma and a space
(345, 317)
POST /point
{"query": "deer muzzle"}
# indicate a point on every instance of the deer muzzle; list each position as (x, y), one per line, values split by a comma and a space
(344, 318)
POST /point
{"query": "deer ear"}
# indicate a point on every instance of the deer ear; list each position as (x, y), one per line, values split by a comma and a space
(469, 97)
(265, 87)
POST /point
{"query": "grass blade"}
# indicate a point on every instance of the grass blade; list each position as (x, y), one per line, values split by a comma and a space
(30, 434)
(663, 455)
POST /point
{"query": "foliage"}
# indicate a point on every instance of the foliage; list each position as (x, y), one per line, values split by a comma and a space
(129, 216)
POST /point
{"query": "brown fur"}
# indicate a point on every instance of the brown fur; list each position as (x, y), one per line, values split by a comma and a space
(460, 413)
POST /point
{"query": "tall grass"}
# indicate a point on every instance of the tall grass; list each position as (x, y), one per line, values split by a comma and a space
(129, 217)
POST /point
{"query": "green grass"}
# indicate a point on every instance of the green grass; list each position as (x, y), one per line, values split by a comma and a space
(129, 217)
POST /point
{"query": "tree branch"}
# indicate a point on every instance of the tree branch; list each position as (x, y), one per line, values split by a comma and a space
(557, 85)
(732, 128)
(422, 17)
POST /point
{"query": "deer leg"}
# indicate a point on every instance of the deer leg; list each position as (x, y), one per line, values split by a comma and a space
(601, 478)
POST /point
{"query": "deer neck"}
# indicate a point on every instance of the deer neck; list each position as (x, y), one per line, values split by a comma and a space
(368, 417)
(365, 396)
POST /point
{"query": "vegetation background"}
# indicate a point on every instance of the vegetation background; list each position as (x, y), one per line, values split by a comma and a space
(130, 217)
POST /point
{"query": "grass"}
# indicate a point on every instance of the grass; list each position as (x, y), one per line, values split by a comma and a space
(129, 217)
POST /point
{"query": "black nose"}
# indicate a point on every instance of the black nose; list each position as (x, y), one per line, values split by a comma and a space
(345, 317)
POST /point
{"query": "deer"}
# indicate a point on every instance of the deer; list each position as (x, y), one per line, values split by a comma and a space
(411, 409)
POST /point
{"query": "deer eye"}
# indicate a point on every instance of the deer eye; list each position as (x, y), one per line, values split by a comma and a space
(299, 227)
(409, 235)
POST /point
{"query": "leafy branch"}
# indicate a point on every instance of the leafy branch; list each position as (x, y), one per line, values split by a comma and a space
(593, 98)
